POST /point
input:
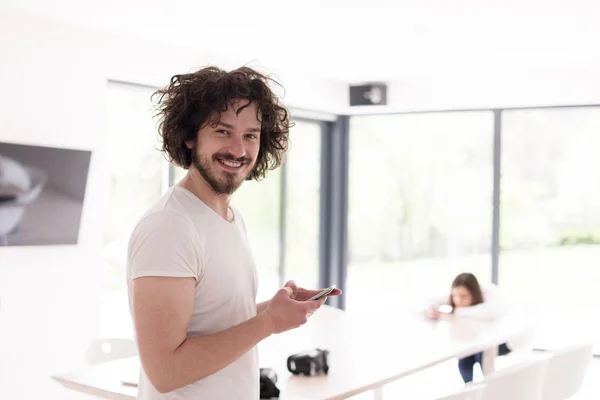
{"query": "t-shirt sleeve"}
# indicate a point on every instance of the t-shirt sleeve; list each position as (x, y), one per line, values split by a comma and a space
(164, 243)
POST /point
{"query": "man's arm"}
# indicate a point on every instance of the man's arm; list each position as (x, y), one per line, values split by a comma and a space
(260, 307)
(162, 308)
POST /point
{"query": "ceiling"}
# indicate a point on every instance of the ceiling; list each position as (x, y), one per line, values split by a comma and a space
(355, 41)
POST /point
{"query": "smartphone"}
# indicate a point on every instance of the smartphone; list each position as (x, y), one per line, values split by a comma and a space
(323, 293)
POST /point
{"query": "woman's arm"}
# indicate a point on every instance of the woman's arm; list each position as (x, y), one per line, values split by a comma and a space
(494, 306)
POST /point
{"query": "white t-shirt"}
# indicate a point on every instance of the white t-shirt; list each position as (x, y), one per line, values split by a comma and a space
(180, 236)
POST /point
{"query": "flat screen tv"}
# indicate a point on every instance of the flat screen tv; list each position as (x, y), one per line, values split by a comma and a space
(42, 190)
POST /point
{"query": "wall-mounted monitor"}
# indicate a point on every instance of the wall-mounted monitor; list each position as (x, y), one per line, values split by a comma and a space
(42, 190)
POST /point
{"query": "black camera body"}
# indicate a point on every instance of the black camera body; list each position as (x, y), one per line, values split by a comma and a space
(268, 379)
(310, 363)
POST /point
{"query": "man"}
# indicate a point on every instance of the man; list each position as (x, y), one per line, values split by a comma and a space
(191, 278)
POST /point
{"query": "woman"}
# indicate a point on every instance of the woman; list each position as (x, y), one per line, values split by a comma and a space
(469, 300)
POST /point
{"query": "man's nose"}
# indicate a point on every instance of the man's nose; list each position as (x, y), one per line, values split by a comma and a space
(236, 148)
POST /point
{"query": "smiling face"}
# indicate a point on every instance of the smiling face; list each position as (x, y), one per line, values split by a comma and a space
(225, 151)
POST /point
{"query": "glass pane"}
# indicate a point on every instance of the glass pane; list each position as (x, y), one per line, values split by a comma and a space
(550, 213)
(258, 202)
(133, 182)
(303, 168)
(134, 171)
(420, 205)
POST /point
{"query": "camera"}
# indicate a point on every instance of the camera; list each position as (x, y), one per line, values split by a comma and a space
(268, 379)
(310, 363)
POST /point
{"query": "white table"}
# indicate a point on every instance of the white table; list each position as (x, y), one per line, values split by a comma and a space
(365, 353)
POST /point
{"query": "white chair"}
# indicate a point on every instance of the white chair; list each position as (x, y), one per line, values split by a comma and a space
(104, 350)
(471, 392)
(524, 381)
(566, 370)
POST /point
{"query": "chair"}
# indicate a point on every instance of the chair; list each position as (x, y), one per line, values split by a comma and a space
(566, 370)
(104, 350)
(471, 392)
(524, 381)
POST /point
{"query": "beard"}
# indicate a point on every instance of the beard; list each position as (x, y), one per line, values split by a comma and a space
(227, 185)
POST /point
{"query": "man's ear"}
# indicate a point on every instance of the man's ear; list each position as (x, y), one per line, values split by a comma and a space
(190, 144)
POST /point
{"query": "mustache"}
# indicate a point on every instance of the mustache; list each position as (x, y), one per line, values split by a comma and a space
(229, 157)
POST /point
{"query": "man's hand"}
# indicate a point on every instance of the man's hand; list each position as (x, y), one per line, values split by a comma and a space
(285, 313)
(301, 294)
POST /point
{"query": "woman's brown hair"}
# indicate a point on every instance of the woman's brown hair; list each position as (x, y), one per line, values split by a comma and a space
(191, 101)
(468, 281)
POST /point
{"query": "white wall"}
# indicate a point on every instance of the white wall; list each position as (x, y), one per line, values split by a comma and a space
(53, 87)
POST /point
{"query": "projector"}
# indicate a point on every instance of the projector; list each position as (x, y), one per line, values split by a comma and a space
(373, 94)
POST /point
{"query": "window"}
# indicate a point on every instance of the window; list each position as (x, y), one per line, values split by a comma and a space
(550, 210)
(302, 211)
(420, 205)
(133, 182)
(135, 170)
(259, 204)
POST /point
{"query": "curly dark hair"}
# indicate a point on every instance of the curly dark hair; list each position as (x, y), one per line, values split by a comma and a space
(191, 101)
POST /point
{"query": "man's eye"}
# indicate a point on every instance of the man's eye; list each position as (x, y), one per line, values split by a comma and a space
(223, 131)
